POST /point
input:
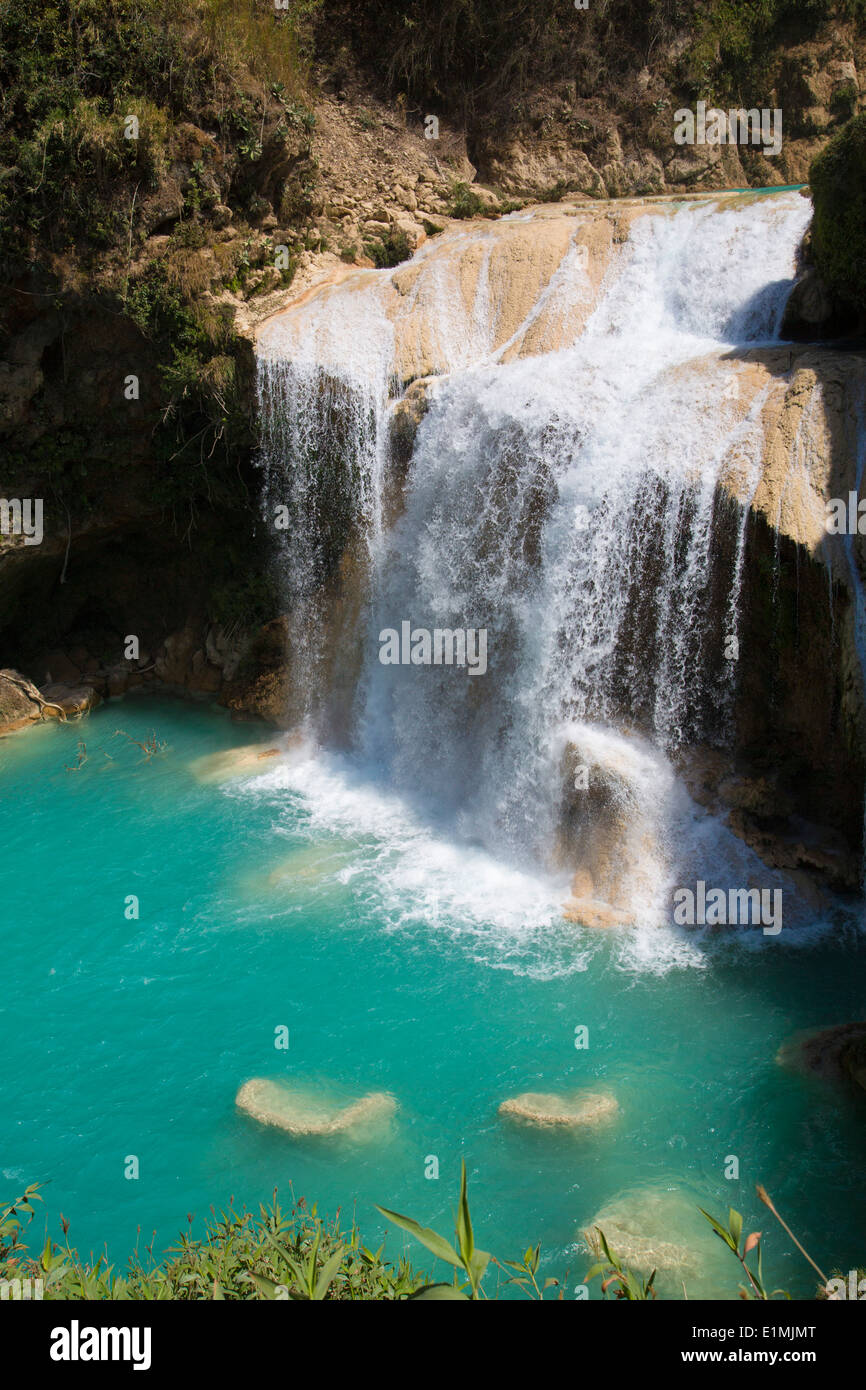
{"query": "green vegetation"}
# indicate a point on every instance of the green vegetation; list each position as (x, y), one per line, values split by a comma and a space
(730, 55)
(478, 56)
(297, 1255)
(275, 1255)
(391, 249)
(154, 159)
(465, 202)
(75, 169)
(838, 182)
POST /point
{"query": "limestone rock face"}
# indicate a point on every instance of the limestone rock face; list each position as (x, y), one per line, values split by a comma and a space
(812, 311)
(516, 287)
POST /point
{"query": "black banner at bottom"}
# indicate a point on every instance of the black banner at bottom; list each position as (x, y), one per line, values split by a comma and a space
(59, 1340)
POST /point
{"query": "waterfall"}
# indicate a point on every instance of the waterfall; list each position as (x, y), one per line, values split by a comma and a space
(565, 497)
(322, 399)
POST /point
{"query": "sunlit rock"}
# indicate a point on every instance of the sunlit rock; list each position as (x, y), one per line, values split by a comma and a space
(20, 701)
(582, 1110)
(620, 798)
(305, 1115)
(250, 760)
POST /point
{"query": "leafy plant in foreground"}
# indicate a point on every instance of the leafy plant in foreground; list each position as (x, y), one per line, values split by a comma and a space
(626, 1283)
(473, 1262)
(731, 1235)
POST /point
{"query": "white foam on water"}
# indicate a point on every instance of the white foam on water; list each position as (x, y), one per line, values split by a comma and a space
(408, 877)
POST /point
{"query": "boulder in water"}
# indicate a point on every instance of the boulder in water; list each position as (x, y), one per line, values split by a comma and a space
(647, 1230)
(592, 912)
(72, 700)
(836, 1054)
(582, 1110)
(250, 760)
(20, 701)
(304, 1115)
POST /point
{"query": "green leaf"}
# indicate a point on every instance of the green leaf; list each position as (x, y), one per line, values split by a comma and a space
(464, 1221)
(436, 1292)
(329, 1270)
(266, 1286)
(606, 1248)
(477, 1265)
(437, 1244)
(719, 1230)
(735, 1226)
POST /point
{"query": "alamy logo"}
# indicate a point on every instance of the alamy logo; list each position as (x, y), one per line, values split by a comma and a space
(19, 1290)
(737, 127)
(22, 516)
(854, 1291)
(846, 518)
(75, 1343)
(444, 646)
(739, 907)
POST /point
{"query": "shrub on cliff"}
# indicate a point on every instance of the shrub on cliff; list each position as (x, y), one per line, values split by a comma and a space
(74, 177)
(838, 181)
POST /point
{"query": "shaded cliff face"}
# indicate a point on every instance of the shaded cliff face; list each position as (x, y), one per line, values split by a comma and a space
(146, 149)
(146, 519)
(705, 454)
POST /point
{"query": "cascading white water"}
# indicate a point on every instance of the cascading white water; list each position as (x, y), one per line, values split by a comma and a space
(566, 503)
(322, 407)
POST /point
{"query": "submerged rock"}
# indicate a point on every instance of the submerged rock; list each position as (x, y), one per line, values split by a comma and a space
(641, 1228)
(313, 862)
(836, 1054)
(250, 760)
(582, 1110)
(593, 912)
(301, 1114)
